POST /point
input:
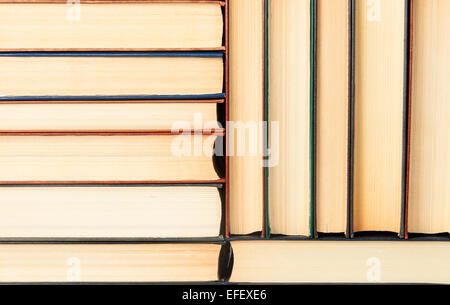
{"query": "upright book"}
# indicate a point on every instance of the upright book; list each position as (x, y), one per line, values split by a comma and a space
(245, 137)
(289, 182)
(333, 66)
(380, 116)
(429, 191)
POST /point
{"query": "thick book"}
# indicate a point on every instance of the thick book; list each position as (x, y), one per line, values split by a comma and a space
(429, 191)
(289, 114)
(105, 211)
(341, 262)
(48, 75)
(380, 116)
(332, 115)
(176, 262)
(55, 25)
(100, 158)
(245, 137)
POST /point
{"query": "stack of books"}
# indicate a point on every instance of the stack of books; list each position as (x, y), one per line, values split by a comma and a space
(111, 132)
(235, 140)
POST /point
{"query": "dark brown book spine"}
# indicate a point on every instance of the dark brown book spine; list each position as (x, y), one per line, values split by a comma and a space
(222, 3)
(351, 116)
(410, 26)
(264, 169)
(217, 101)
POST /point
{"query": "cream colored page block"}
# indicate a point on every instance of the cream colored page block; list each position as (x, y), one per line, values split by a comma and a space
(378, 115)
(36, 76)
(114, 116)
(106, 158)
(289, 106)
(246, 107)
(149, 25)
(429, 189)
(341, 262)
(108, 262)
(109, 212)
(332, 118)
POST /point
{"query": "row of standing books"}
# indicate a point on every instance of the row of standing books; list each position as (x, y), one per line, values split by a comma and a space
(355, 96)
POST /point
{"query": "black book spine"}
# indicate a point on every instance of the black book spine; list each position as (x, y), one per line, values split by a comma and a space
(351, 116)
(406, 117)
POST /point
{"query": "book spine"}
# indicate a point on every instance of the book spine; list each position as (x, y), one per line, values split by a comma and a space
(407, 136)
(117, 182)
(217, 132)
(313, 94)
(266, 119)
(263, 227)
(226, 85)
(117, 101)
(405, 119)
(351, 116)
(112, 97)
(220, 2)
(64, 50)
(72, 53)
(226, 262)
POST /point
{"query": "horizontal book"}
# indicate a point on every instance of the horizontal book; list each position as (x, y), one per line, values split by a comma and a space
(108, 116)
(110, 25)
(107, 158)
(109, 211)
(109, 262)
(110, 74)
(341, 262)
